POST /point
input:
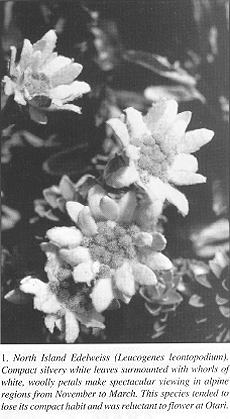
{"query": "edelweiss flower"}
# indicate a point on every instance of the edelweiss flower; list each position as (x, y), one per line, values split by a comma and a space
(112, 260)
(43, 79)
(64, 310)
(155, 152)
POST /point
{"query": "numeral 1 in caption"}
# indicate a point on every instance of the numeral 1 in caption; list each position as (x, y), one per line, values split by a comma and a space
(4, 358)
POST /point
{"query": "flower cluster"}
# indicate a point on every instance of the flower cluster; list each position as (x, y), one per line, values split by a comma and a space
(106, 246)
(92, 264)
(43, 79)
(156, 152)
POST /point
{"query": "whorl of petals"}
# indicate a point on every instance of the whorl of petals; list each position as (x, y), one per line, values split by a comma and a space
(162, 153)
(43, 79)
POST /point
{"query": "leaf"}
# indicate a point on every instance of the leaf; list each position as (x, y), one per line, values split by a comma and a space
(220, 198)
(32, 139)
(16, 296)
(178, 93)
(74, 161)
(225, 311)
(203, 280)
(172, 297)
(67, 188)
(160, 65)
(154, 310)
(221, 300)
(40, 101)
(196, 301)
(37, 116)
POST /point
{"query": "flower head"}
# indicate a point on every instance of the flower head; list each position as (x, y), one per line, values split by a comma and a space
(43, 79)
(156, 152)
(112, 259)
(65, 309)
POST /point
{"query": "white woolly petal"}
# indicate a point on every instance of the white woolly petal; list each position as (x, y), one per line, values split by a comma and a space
(133, 152)
(75, 256)
(194, 140)
(31, 285)
(177, 130)
(55, 65)
(83, 273)
(72, 329)
(124, 280)
(66, 107)
(66, 74)
(50, 322)
(48, 304)
(161, 115)
(73, 209)
(157, 261)
(144, 275)
(36, 61)
(120, 130)
(181, 177)
(46, 45)
(68, 92)
(19, 98)
(143, 239)
(156, 191)
(102, 294)
(136, 126)
(156, 188)
(26, 54)
(185, 162)
(9, 86)
(158, 242)
(123, 177)
(96, 267)
(65, 236)
(176, 198)
(44, 299)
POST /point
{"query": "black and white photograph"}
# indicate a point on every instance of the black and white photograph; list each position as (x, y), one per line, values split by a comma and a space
(114, 172)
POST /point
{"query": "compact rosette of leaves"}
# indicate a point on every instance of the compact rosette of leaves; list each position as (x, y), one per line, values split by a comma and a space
(161, 300)
(210, 298)
(44, 80)
(206, 288)
(53, 204)
(101, 259)
(155, 152)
